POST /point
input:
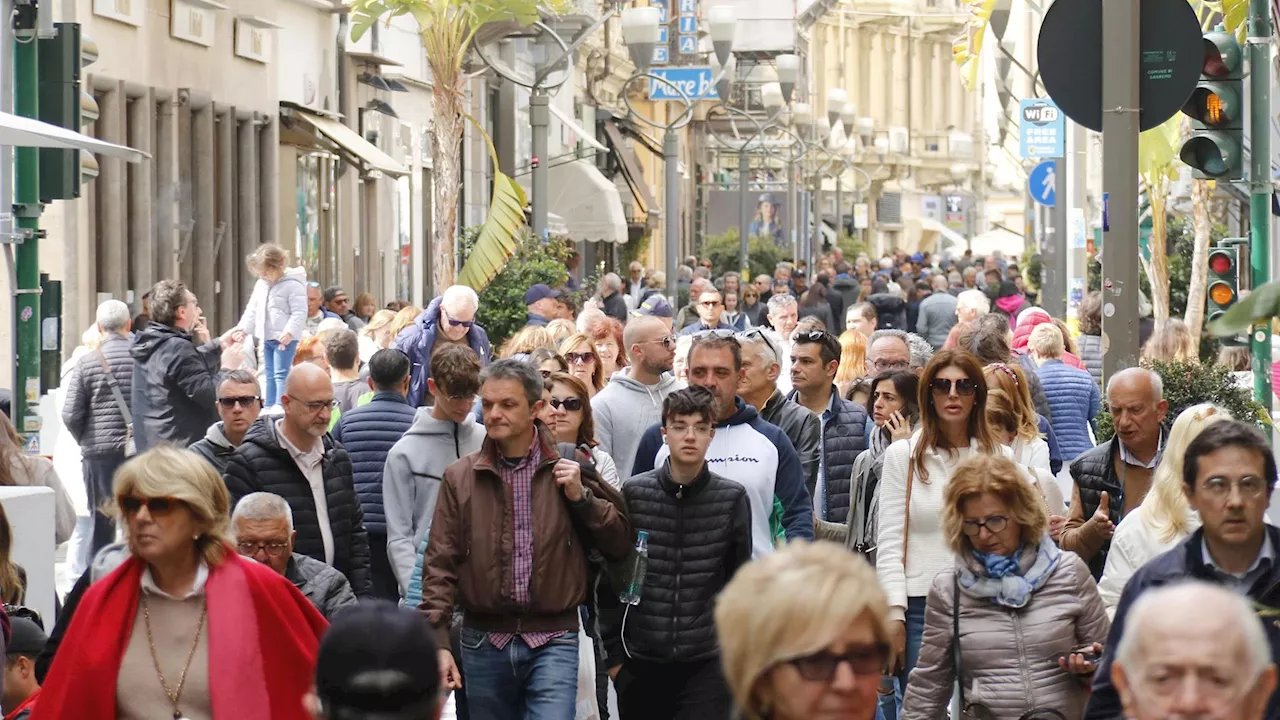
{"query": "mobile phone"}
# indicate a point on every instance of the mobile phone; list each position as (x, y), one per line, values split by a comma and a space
(1087, 652)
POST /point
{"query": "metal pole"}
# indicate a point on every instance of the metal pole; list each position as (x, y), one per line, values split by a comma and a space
(839, 205)
(540, 120)
(6, 170)
(26, 320)
(1260, 185)
(815, 246)
(1053, 293)
(1120, 181)
(794, 210)
(744, 213)
(671, 156)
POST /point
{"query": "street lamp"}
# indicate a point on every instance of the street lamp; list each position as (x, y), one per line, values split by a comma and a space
(836, 99)
(849, 118)
(640, 32)
(724, 74)
(788, 68)
(866, 130)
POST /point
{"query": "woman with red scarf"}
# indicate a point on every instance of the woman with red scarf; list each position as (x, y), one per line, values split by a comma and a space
(185, 628)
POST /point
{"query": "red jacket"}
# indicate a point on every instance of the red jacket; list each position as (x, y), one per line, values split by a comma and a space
(263, 639)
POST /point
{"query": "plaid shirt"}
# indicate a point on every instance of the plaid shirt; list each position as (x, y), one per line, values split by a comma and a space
(520, 478)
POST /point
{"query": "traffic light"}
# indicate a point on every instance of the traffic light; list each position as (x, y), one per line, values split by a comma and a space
(65, 104)
(1216, 109)
(1224, 286)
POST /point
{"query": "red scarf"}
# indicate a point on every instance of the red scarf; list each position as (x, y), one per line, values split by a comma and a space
(263, 637)
(26, 705)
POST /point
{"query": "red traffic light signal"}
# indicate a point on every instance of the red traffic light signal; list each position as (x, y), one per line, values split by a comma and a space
(1220, 262)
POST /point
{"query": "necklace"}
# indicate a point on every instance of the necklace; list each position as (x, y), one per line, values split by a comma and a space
(176, 694)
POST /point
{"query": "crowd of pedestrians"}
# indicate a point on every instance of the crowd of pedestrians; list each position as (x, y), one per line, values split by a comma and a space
(873, 490)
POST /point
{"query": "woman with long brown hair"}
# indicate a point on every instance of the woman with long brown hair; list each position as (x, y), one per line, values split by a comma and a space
(13, 579)
(911, 548)
(1022, 433)
(22, 470)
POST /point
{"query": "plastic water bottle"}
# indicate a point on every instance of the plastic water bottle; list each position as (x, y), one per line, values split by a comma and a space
(631, 595)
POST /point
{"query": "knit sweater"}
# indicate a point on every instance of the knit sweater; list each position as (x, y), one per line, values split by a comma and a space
(173, 624)
(927, 552)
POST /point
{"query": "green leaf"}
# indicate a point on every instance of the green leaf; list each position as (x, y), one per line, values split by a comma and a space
(496, 242)
(1158, 147)
(1235, 15)
(1261, 305)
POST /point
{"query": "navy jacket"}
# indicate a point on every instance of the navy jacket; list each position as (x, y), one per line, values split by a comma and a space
(844, 437)
(419, 339)
(368, 432)
(1183, 562)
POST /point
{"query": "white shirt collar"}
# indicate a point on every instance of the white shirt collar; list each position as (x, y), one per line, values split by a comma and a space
(1128, 458)
(1265, 553)
(202, 576)
(310, 457)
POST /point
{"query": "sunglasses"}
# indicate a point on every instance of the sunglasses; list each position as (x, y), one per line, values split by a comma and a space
(761, 334)
(462, 323)
(821, 666)
(580, 358)
(710, 304)
(156, 506)
(313, 284)
(964, 387)
(811, 336)
(244, 401)
(667, 342)
(572, 404)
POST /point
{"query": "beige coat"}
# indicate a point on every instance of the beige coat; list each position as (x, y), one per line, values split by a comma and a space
(1009, 657)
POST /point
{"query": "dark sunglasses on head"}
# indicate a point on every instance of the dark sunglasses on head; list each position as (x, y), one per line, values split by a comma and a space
(757, 332)
(580, 358)
(156, 506)
(244, 401)
(572, 404)
(821, 666)
(963, 386)
(313, 284)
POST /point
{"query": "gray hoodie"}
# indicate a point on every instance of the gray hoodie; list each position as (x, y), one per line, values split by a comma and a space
(411, 482)
(623, 410)
(214, 447)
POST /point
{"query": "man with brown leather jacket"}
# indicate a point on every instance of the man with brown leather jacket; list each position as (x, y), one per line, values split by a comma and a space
(509, 542)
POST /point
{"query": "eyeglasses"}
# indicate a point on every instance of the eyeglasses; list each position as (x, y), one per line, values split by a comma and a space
(272, 549)
(156, 506)
(890, 365)
(710, 304)
(580, 358)
(572, 404)
(993, 524)
(1219, 488)
(680, 429)
(244, 401)
(863, 660)
(315, 405)
(964, 387)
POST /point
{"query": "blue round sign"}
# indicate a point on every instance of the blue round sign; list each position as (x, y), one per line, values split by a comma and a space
(1042, 184)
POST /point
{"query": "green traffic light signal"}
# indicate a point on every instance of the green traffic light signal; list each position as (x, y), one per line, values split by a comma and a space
(1214, 150)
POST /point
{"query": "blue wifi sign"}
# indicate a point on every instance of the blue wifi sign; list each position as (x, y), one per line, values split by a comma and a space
(696, 82)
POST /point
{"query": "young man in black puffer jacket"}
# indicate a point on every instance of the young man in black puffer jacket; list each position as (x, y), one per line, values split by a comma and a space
(665, 660)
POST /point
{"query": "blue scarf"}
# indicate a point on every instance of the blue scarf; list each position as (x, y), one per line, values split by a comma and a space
(1009, 580)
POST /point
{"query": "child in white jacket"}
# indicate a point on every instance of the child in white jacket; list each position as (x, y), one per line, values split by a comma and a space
(276, 313)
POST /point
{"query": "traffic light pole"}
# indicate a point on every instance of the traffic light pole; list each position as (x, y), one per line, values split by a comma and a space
(26, 317)
(1260, 186)
(1120, 122)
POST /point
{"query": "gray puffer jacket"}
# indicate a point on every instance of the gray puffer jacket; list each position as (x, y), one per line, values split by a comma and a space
(91, 412)
(1091, 355)
(325, 587)
(1009, 657)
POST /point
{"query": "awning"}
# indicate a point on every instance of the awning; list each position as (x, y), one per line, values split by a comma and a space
(931, 235)
(354, 148)
(577, 129)
(587, 201)
(18, 131)
(630, 165)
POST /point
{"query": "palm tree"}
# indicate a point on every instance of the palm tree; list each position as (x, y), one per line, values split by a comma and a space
(448, 29)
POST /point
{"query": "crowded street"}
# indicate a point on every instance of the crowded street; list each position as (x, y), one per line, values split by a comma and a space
(377, 359)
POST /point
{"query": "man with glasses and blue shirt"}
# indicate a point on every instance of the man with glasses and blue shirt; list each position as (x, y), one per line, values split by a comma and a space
(263, 528)
(449, 320)
(295, 457)
(1228, 474)
(710, 307)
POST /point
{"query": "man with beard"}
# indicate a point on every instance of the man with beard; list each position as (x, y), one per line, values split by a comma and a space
(632, 401)
(745, 449)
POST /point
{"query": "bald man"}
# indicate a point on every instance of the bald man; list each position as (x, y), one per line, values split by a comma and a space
(1114, 477)
(632, 401)
(294, 457)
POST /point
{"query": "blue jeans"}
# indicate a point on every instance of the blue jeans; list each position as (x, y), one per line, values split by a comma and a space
(891, 704)
(278, 360)
(519, 683)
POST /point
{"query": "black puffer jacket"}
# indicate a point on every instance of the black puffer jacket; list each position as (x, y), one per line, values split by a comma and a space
(844, 437)
(802, 428)
(91, 412)
(699, 535)
(263, 464)
(1094, 472)
(174, 387)
(891, 310)
(368, 432)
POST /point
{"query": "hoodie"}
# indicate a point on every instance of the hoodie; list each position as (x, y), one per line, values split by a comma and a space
(623, 410)
(411, 482)
(756, 455)
(277, 308)
(214, 447)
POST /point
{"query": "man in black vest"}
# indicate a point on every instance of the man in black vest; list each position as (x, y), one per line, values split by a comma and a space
(699, 534)
(1113, 478)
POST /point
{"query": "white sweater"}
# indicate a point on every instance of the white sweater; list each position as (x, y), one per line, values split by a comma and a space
(1133, 544)
(1034, 454)
(927, 552)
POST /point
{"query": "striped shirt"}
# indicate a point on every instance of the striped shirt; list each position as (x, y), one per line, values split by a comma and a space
(520, 478)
